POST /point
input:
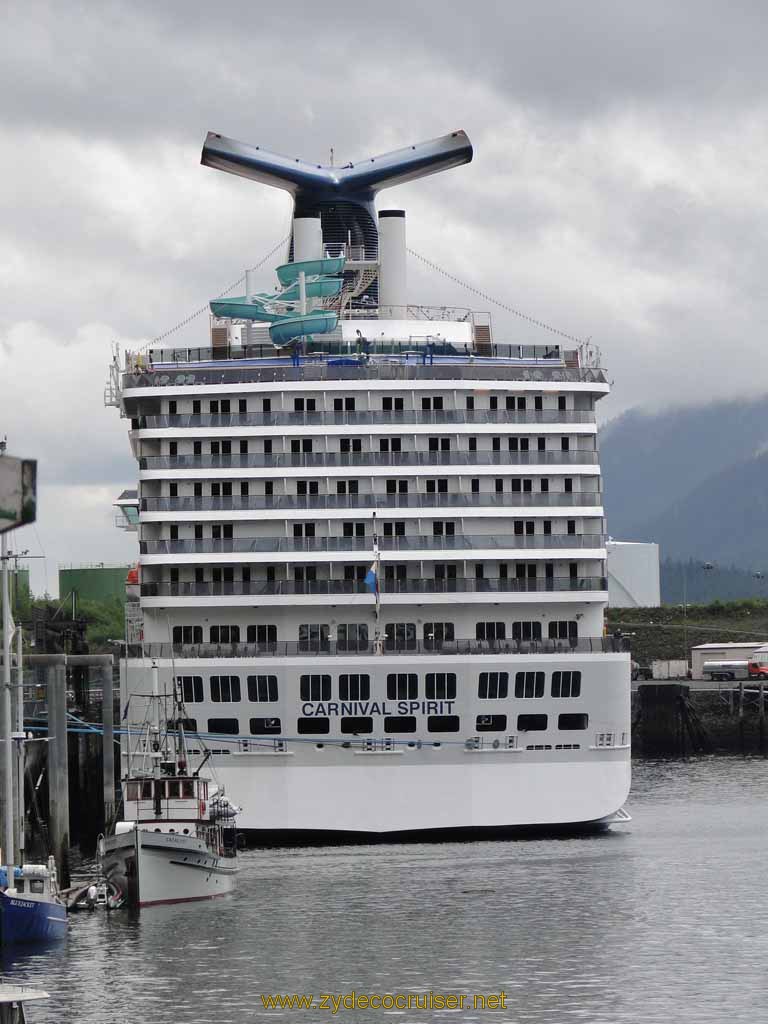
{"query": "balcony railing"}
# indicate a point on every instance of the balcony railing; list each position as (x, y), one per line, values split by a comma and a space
(346, 588)
(394, 370)
(319, 502)
(332, 649)
(362, 419)
(364, 545)
(413, 346)
(365, 460)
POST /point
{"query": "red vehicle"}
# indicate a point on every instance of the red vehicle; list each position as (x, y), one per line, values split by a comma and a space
(757, 666)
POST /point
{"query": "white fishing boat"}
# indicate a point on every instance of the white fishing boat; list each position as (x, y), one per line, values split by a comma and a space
(177, 840)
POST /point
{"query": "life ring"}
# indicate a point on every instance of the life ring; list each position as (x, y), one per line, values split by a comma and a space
(202, 808)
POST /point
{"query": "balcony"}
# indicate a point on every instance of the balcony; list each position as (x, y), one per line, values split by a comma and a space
(363, 546)
(365, 460)
(362, 419)
(376, 502)
(407, 649)
(350, 588)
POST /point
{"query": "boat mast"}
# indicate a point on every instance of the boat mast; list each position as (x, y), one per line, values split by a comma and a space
(155, 751)
(5, 716)
(20, 747)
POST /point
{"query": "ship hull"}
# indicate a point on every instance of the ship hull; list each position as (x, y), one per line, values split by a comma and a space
(24, 920)
(153, 868)
(394, 801)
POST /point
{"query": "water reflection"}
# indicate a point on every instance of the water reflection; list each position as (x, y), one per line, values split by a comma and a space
(657, 920)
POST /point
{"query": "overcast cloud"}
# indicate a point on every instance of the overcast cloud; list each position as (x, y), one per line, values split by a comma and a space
(617, 191)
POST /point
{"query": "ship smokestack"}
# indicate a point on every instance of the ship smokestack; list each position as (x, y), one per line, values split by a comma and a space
(393, 278)
(307, 238)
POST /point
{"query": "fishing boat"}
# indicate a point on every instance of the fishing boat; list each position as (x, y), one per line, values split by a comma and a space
(31, 908)
(177, 840)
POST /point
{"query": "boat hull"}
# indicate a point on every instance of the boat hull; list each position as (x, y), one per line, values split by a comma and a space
(381, 797)
(24, 920)
(152, 868)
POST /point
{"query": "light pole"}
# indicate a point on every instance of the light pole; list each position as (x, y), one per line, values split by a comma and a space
(707, 567)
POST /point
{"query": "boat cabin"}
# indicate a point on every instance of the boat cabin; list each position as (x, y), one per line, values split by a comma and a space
(181, 798)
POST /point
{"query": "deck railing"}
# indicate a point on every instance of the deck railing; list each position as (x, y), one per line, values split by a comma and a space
(361, 460)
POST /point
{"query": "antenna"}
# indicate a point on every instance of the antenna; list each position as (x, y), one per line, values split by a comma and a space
(330, 162)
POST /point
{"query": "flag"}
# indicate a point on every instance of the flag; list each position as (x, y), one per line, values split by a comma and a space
(372, 579)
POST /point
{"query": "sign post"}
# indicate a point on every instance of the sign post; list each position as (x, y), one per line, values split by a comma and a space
(18, 492)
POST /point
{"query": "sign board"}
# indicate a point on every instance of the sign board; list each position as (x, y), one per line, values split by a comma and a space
(18, 492)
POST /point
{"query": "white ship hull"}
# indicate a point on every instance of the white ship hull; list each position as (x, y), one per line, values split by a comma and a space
(150, 868)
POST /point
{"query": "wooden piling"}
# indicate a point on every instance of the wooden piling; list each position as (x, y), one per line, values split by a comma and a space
(741, 719)
(761, 716)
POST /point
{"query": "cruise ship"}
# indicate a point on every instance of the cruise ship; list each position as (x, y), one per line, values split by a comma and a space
(372, 546)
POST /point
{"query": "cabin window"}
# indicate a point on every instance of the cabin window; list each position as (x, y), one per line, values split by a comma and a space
(357, 725)
(402, 685)
(441, 686)
(438, 633)
(230, 726)
(572, 721)
(132, 791)
(187, 634)
(352, 637)
(313, 726)
(493, 685)
(563, 630)
(315, 687)
(400, 723)
(36, 885)
(400, 636)
(225, 689)
(566, 684)
(526, 631)
(491, 723)
(262, 689)
(531, 723)
(188, 785)
(265, 726)
(191, 689)
(160, 789)
(313, 635)
(354, 687)
(187, 724)
(490, 631)
(225, 634)
(529, 684)
(443, 723)
(174, 789)
(146, 789)
(262, 634)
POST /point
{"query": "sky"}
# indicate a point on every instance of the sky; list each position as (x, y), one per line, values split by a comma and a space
(617, 192)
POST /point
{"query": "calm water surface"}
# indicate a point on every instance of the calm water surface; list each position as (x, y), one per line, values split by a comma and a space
(661, 920)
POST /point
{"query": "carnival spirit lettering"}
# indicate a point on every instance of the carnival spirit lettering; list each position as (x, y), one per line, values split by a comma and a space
(364, 708)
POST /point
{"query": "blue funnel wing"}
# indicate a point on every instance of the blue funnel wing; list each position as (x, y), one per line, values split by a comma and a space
(407, 164)
(260, 165)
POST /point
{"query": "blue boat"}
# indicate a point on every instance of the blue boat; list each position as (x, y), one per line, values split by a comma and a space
(31, 909)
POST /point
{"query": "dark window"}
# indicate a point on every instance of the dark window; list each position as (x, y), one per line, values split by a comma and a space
(354, 687)
(470, 402)
(472, 444)
(389, 404)
(225, 689)
(563, 630)
(493, 685)
(561, 403)
(197, 447)
(440, 686)
(566, 684)
(265, 726)
(568, 484)
(359, 724)
(437, 633)
(262, 634)
(402, 685)
(352, 637)
(242, 405)
(313, 726)
(262, 689)
(173, 490)
(572, 721)
(266, 405)
(443, 723)
(571, 527)
(565, 444)
(526, 630)
(173, 448)
(400, 635)
(191, 689)
(243, 447)
(313, 635)
(491, 631)
(529, 684)
(491, 723)
(475, 485)
(231, 726)
(531, 723)
(400, 723)
(187, 724)
(196, 407)
(538, 403)
(187, 634)
(349, 445)
(315, 687)
(225, 634)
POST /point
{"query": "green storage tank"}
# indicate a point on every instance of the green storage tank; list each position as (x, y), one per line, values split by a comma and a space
(93, 582)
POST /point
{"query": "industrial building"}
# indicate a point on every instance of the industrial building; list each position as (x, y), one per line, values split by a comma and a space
(633, 575)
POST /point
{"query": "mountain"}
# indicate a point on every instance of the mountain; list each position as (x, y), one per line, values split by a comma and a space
(693, 479)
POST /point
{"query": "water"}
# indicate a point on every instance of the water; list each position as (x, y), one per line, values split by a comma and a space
(659, 920)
